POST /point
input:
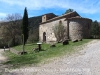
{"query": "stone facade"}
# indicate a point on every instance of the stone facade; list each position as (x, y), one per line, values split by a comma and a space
(77, 27)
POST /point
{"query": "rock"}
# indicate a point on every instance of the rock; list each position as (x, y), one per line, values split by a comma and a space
(74, 40)
(80, 40)
(35, 49)
(21, 53)
(65, 42)
(52, 45)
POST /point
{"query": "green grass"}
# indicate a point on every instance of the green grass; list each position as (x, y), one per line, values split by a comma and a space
(36, 57)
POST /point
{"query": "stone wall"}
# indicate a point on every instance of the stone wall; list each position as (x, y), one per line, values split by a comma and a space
(47, 27)
(79, 28)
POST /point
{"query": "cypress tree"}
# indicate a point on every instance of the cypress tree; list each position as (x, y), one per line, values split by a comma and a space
(25, 30)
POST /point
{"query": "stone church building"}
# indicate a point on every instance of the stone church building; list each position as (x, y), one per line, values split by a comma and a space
(76, 26)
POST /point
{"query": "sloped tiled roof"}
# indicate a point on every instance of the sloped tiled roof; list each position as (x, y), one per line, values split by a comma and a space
(68, 15)
(77, 17)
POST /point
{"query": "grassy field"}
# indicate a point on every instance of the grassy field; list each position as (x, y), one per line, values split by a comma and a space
(34, 57)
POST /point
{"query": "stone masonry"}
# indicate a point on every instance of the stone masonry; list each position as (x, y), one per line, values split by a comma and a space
(77, 27)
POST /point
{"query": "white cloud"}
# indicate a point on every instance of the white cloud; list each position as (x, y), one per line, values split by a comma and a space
(2, 14)
(85, 6)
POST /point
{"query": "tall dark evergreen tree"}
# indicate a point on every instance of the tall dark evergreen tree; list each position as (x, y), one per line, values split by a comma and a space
(25, 30)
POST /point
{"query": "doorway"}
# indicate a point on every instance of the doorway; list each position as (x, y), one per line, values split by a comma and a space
(44, 36)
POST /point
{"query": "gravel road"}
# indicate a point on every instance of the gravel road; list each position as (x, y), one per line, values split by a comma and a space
(84, 62)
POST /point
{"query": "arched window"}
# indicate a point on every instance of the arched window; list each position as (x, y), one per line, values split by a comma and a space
(60, 22)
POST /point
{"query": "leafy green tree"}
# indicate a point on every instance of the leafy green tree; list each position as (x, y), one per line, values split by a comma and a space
(68, 11)
(95, 29)
(25, 27)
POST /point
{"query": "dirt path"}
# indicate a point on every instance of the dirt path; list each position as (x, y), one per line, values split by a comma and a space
(85, 62)
(2, 60)
(3, 67)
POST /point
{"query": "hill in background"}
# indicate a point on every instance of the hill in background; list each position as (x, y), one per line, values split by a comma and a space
(34, 28)
(8, 33)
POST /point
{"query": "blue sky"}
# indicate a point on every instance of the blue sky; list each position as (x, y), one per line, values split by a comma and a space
(86, 8)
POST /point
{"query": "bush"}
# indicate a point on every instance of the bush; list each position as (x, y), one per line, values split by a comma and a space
(33, 36)
(3, 43)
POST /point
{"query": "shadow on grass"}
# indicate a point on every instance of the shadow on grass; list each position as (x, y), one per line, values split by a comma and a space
(39, 50)
(31, 44)
(42, 50)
